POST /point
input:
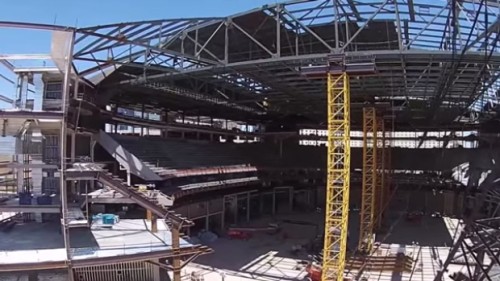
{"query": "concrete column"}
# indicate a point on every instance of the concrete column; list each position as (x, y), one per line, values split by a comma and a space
(20, 161)
(23, 91)
(207, 217)
(261, 203)
(73, 158)
(308, 197)
(129, 178)
(73, 146)
(154, 224)
(274, 202)
(248, 206)
(281, 148)
(223, 219)
(176, 263)
(93, 142)
(235, 209)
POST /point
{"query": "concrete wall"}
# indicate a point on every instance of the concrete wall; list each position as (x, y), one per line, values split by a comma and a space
(198, 210)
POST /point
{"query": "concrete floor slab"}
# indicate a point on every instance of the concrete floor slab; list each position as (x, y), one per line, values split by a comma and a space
(268, 257)
(42, 242)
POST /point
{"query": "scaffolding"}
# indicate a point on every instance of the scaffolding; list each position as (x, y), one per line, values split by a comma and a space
(381, 172)
(386, 192)
(337, 187)
(369, 185)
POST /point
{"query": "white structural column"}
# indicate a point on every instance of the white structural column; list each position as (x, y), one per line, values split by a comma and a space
(62, 52)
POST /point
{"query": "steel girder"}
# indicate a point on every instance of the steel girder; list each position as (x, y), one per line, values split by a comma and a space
(261, 50)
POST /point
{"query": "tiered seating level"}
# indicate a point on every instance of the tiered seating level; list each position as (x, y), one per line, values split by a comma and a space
(178, 154)
(164, 155)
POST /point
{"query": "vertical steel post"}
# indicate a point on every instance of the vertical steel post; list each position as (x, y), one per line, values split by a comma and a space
(337, 19)
(62, 148)
(226, 43)
(369, 185)
(337, 186)
(278, 31)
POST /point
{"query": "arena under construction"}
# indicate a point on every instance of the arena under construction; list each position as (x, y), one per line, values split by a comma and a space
(303, 140)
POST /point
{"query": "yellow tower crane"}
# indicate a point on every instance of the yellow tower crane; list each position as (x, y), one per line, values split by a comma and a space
(381, 172)
(369, 180)
(374, 183)
(338, 71)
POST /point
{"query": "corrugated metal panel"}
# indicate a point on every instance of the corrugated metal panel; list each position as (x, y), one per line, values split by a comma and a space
(132, 271)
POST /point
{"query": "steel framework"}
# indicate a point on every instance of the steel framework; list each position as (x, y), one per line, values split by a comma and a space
(261, 51)
(337, 187)
(369, 185)
(477, 243)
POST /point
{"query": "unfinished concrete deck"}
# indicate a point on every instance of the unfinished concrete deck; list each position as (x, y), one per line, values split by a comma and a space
(12, 205)
(267, 257)
(37, 243)
(7, 215)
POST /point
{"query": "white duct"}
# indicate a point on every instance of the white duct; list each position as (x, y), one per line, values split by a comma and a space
(60, 48)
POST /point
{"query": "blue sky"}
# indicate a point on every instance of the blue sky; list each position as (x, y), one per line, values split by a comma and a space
(94, 12)
(97, 12)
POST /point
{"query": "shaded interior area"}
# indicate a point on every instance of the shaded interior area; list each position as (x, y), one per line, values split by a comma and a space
(36, 236)
(428, 231)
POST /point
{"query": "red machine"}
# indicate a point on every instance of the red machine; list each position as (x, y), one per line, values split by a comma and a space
(313, 272)
(238, 234)
(415, 217)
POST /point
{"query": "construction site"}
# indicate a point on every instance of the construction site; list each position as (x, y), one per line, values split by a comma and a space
(304, 140)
